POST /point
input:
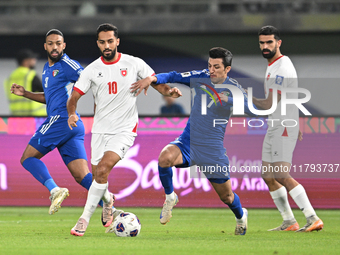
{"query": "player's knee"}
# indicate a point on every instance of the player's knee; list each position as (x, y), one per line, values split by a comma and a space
(22, 159)
(165, 160)
(268, 180)
(101, 175)
(227, 198)
(283, 181)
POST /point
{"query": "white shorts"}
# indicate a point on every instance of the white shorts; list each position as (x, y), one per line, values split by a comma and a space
(277, 148)
(118, 143)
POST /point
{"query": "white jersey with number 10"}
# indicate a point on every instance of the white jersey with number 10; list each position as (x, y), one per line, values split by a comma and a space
(116, 109)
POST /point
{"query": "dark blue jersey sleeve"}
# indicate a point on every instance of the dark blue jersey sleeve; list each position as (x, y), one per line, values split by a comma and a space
(183, 78)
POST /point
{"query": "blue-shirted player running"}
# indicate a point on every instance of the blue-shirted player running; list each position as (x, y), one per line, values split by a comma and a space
(59, 73)
(201, 143)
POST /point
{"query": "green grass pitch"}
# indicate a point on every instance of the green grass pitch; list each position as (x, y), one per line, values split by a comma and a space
(30, 230)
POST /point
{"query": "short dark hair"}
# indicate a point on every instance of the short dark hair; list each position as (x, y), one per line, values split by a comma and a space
(270, 30)
(107, 27)
(219, 52)
(54, 31)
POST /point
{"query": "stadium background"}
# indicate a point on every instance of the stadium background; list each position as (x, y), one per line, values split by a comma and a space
(177, 35)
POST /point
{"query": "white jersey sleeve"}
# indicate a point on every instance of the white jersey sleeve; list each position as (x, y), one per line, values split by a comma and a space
(84, 82)
(110, 82)
(144, 70)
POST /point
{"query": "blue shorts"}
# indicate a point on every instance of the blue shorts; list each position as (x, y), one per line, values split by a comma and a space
(54, 132)
(204, 159)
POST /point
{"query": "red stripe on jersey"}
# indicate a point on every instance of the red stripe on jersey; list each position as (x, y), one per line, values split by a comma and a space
(153, 74)
(79, 91)
(285, 133)
(275, 60)
(279, 91)
(135, 128)
(111, 63)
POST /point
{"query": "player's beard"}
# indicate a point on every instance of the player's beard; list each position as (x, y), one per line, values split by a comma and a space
(109, 57)
(270, 55)
(57, 58)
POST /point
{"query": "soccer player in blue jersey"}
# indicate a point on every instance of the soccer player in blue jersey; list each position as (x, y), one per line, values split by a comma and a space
(59, 73)
(201, 143)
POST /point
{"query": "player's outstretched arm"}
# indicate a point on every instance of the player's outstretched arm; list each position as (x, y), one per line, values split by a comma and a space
(35, 96)
(142, 84)
(71, 109)
(167, 91)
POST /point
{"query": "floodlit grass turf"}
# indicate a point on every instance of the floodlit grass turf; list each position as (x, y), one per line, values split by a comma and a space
(30, 230)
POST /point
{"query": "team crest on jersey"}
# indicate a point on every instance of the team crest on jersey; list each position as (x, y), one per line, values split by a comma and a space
(55, 72)
(268, 76)
(226, 93)
(279, 79)
(123, 71)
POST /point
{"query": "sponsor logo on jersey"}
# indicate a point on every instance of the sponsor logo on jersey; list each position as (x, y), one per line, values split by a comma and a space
(55, 72)
(187, 74)
(279, 79)
(268, 76)
(123, 71)
(100, 74)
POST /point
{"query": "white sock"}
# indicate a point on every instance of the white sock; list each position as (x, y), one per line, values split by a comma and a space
(299, 195)
(54, 190)
(241, 221)
(106, 197)
(281, 201)
(94, 195)
(170, 197)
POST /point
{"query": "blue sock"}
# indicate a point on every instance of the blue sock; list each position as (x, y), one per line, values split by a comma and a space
(236, 207)
(39, 171)
(86, 182)
(50, 184)
(165, 174)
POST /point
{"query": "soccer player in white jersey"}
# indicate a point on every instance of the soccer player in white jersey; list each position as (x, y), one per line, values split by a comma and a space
(280, 141)
(116, 118)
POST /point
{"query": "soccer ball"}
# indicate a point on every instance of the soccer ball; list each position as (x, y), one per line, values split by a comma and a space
(126, 224)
